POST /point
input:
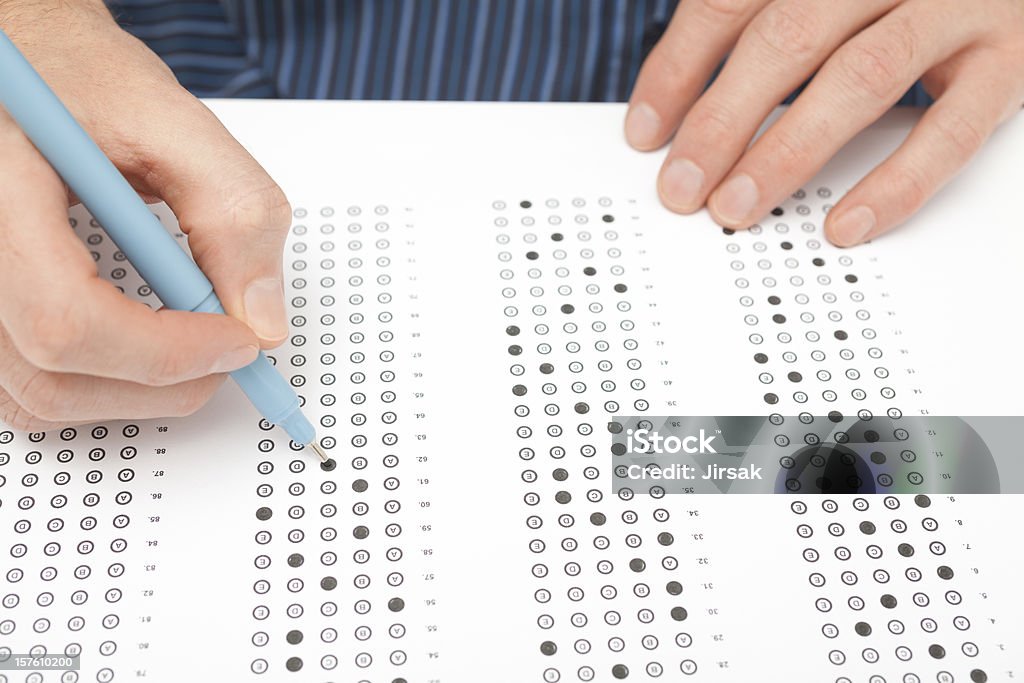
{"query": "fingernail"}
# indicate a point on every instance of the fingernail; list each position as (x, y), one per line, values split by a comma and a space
(681, 183)
(233, 360)
(643, 126)
(851, 227)
(734, 200)
(264, 309)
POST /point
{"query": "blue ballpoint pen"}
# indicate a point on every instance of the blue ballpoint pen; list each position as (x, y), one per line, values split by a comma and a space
(161, 262)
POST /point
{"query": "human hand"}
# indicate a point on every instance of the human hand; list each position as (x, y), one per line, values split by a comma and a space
(72, 348)
(866, 53)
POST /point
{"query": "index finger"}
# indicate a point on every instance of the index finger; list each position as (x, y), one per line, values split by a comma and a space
(677, 70)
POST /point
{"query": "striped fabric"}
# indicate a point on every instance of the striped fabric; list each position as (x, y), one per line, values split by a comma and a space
(494, 50)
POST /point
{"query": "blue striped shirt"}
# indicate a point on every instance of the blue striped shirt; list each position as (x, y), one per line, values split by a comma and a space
(493, 50)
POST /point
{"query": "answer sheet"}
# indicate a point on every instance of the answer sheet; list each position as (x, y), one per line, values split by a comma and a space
(481, 296)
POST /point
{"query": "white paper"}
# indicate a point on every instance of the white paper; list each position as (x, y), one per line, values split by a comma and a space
(414, 212)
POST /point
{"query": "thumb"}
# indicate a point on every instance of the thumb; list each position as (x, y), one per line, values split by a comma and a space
(235, 215)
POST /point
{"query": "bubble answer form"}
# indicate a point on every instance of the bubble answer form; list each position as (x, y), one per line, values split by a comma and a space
(475, 292)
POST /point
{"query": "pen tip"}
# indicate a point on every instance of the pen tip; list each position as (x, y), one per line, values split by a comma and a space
(319, 450)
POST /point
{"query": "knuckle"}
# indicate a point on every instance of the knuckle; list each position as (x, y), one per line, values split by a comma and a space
(139, 162)
(14, 415)
(788, 30)
(20, 419)
(868, 71)
(875, 68)
(900, 38)
(912, 189)
(666, 71)
(41, 397)
(171, 366)
(169, 369)
(713, 124)
(725, 9)
(666, 62)
(193, 396)
(49, 335)
(958, 132)
(262, 209)
(790, 150)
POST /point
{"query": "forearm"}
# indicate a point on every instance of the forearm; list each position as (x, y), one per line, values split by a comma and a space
(14, 13)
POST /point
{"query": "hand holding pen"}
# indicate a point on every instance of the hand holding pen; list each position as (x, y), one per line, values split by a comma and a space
(73, 349)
